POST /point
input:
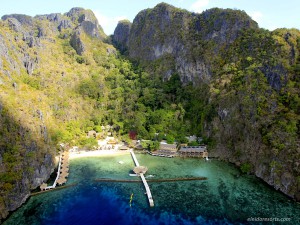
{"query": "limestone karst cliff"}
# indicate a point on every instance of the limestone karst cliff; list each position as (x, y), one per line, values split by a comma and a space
(36, 65)
(248, 80)
(214, 74)
(183, 40)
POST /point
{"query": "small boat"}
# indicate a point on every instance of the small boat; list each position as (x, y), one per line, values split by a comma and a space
(149, 176)
(133, 175)
(131, 197)
(121, 162)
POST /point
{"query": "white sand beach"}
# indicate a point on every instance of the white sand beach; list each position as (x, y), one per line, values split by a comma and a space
(97, 153)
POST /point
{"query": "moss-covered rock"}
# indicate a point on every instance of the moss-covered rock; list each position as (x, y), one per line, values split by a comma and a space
(121, 35)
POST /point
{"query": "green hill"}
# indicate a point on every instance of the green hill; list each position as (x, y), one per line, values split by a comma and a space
(215, 74)
(243, 84)
(59, 78)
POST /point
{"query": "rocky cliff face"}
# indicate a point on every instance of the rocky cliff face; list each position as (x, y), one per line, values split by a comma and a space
(121, 35)
(30, 49)
(251, 116)
(26, 161)
(168, 34)
(77, 23)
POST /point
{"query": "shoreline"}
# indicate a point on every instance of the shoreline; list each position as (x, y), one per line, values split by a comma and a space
(96, 153)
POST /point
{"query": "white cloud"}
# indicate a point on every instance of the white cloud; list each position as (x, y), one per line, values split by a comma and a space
(199, 5)
(257, 16)
(108, 23)
(102, 19)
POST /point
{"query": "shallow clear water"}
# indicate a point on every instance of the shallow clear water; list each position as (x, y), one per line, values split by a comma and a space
(226, 197)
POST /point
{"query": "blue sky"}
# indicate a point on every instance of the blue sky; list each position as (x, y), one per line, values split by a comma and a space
(269, 14)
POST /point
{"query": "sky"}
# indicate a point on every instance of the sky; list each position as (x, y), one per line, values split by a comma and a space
(270, 14)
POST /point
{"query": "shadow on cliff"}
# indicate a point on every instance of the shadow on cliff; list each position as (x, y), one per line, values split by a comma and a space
(26, 159)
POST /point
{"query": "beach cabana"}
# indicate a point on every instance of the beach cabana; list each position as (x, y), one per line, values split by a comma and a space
(111, 141)
(92, 134)
(124, 147)
(61, 181)
(43, 186)
(138, 147)
(140, 169)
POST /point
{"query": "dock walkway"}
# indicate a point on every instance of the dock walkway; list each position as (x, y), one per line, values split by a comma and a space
(62, 172)
(57, 176)
(134, 158)
(151, 202)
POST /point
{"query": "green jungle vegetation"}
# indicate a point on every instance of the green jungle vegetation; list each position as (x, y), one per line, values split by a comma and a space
(68, 94)
(245, 102)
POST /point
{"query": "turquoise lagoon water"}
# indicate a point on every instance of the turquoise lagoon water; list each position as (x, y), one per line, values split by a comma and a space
(226, 197)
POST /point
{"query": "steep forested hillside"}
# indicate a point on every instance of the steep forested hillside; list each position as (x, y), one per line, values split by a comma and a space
(59, 78)
(245, 95)
(215, 74)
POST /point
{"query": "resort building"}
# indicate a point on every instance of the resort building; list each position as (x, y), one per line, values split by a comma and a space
(111, 141)
(166, 150)
(168, 147)
(140, 169)
(123, 148)
(194, 151)
(138, 147)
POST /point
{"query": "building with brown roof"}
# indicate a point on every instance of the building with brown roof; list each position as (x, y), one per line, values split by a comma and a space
(194, 151)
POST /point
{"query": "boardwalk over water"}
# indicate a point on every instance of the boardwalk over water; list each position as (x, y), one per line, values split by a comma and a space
(151, 202)
(152, 180)
(62, 172)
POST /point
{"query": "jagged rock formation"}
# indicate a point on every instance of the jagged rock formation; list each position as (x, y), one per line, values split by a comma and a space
(247, 72)
(29, 51)
(121, 34)
(58, 79)
(168, 34)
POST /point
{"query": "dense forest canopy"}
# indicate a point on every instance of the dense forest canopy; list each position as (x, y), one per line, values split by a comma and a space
(216, 75)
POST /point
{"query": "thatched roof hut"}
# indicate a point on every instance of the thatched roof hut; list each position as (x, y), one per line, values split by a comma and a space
(61, 181)
(124, 147)
(112, 141)
(64, 174)
(43, 186)
(140, 169)
(92, 134)
(138, 147)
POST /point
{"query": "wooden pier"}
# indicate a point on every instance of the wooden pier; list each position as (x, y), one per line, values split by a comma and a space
(151, 202)
(161, 180)
(62, 172)
(136, 162)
